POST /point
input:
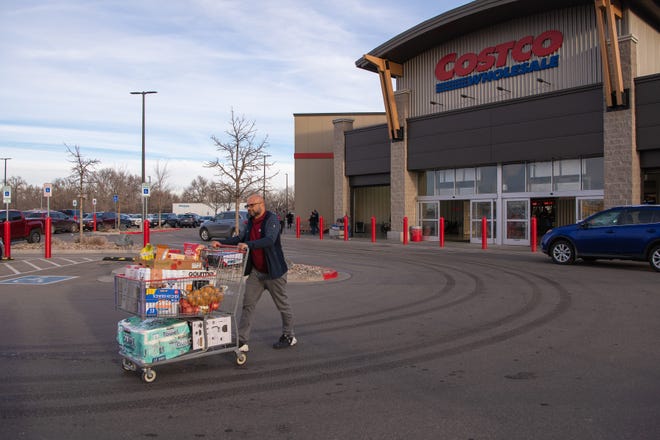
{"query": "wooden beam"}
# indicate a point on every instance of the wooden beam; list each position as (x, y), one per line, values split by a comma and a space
(605, 59)
(386, 70)
(617, 80)
(606, 15)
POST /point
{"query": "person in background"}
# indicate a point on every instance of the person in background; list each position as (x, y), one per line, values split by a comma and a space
(266, 270)
(289, 220)
(314, 222)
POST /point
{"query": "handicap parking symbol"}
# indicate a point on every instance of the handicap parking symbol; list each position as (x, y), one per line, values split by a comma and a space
(36, 280)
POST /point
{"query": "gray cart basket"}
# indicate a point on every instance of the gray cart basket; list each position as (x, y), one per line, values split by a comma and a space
(151, 299)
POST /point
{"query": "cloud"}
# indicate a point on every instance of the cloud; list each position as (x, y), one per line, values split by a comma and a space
(68, 68)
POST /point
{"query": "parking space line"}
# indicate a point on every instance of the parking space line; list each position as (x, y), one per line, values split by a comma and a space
(30, 264)
(50, 262)
(25, 266)
(10, 267)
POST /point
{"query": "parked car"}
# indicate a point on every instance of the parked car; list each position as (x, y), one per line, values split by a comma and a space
(153, 220)
(163, 216)
(189, 220)
(136, 219)
(223, 225)
(73, 213)
(59, 221)
(623, 232)
(171, 220)
(88, 221)
(106, 220)
(20, 228)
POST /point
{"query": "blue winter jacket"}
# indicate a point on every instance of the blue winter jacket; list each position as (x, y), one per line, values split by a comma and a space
(269, 242)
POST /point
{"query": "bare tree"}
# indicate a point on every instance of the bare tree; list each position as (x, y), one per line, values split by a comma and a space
(281, 201)
(202, 190)
(242, 159)
(82, 174)
(20, 191)
(197, 191)
(217, 198)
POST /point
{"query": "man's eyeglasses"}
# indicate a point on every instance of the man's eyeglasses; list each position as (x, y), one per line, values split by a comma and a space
(250, 205)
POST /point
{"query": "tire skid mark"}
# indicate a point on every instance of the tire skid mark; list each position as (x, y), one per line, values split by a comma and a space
(330, 370)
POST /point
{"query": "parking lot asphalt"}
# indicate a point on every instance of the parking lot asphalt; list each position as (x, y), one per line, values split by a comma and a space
(410, 341)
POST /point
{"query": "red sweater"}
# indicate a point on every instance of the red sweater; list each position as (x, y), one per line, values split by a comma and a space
(257, 255)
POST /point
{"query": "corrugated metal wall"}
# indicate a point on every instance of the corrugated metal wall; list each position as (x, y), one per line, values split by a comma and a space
(371, 201)
(648, 46)
(579, 62)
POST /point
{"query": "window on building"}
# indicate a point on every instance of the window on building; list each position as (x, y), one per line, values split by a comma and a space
(513, 178)
(592, 173)
(587, 207)
(566, 175)
(444, 182)
(539, 176)
(465, 181)
(487, 180)
(425, 183)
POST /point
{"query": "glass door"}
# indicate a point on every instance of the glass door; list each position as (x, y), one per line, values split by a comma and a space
(478, 210)
(516, 229)
(429, 215)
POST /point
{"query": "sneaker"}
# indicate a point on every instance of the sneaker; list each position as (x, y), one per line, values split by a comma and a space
(243, 347)
(285, 341)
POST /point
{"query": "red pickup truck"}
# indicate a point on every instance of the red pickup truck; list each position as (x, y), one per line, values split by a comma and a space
(20, 227)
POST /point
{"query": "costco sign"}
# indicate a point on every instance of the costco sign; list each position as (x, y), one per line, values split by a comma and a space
(530, 53)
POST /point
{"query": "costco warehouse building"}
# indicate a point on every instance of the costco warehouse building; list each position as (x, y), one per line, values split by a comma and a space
(497, 109)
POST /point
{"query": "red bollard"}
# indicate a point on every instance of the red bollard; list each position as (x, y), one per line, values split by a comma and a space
(321, 228)
(441, 228)
(373, 229)
(48, 237)
(534, 237)
(297, 226)
(145, 232)
(346, 228)
(484, 233)
(7, 240)
(405, 230)
(94, 223)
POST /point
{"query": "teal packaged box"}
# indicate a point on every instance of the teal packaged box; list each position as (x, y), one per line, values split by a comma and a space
(154, 339)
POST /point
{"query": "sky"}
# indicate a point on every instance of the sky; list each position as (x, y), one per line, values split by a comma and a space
(68, 66)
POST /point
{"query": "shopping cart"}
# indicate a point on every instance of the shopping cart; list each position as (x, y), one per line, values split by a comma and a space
(187, 316)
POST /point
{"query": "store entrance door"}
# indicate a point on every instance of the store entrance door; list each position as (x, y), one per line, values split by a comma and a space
(517, 221)
(478, 210)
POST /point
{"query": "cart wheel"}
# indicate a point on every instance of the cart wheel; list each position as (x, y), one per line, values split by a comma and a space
(127, 365)
(148, 375)
(241, 358)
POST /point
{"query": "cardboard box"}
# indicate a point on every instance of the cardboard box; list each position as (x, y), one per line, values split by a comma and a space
(192, 249)
(185, 264)
(153, 340)
(210, 333)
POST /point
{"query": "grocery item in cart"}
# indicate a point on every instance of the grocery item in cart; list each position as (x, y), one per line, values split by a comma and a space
(153, 340)
(162, 302)
(205, 299)
(218, 258)
(210, 332)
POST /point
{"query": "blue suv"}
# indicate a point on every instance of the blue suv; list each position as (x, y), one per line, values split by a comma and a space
(623, 232)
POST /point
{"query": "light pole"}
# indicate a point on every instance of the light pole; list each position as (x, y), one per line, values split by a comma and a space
(287, 193)
(265, 156)
(5, 159)
(143, 169)
(7, 230)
